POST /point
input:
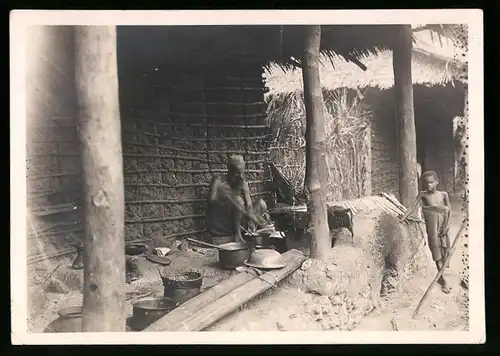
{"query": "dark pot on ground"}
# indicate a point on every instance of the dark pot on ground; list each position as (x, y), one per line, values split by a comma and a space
(182, 287)
(147, 311)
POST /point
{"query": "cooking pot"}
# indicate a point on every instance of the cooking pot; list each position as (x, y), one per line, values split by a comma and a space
(182, 287)
(231, 255)
(147, 311)
(69, 321)
(268, 238)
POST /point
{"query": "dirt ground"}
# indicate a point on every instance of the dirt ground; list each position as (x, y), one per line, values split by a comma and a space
(441, 311)
(148, 285)
(287, 308)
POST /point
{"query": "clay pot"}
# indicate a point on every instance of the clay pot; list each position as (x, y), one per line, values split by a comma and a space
(69, 321)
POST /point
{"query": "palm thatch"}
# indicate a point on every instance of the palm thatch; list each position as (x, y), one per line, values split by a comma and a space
(435, 63)
(432, 64)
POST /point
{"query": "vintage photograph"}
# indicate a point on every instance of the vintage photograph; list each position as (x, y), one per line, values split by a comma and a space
(246, 177)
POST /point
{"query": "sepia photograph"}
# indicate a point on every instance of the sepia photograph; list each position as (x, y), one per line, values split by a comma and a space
(198, 171)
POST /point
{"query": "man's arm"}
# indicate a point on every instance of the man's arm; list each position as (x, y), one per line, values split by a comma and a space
(246, 196)
(412, 208)
(214, 187)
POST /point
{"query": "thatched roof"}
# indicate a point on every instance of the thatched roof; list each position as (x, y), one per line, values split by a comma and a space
(142, 47)
(433, 63)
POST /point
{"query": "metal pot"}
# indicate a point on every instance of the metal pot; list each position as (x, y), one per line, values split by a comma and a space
(233, 255)
(69, 321)
(182, 287)
(268, 239)
(147, 311)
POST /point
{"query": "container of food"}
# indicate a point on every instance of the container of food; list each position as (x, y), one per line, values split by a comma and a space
(182, 287)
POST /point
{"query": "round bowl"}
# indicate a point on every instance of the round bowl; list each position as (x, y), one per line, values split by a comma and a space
(135, 249)
(265, 259)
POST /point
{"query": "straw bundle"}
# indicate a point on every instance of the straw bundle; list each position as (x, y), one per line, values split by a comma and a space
(347, 140)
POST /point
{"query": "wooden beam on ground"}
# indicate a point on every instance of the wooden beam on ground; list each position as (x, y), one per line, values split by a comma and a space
(405, 117)
(224, 306)
(316, 168)
(174, 319)
(101, 150)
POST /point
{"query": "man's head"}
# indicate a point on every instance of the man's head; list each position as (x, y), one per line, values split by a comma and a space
(429, 181)
(235, 169)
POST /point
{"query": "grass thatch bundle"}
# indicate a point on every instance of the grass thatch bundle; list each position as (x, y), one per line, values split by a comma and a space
(347, 140)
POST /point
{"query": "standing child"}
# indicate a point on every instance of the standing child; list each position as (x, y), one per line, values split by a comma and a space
(437, 215)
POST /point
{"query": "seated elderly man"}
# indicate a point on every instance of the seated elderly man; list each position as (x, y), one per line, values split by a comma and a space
(230, 205)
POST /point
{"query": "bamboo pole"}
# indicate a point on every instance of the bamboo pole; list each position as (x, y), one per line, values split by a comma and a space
(316, 167)
(201, 319)
(101, 149)
(441, 271)
(174, 319)
(405, 118)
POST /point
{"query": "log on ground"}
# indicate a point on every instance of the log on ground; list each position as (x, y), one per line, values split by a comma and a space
(241, 295)
(174, 319)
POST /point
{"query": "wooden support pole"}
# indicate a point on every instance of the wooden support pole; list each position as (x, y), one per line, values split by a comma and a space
(316, 168)
(101, 151)
(405, 118)
(174, 319)
(224, 306)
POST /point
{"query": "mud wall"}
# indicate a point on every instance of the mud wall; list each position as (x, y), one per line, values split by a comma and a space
(179, 135)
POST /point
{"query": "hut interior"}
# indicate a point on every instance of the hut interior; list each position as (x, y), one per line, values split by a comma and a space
(189, 96)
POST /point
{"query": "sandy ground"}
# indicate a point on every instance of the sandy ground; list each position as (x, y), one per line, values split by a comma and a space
(289, 309)
(440, 312)
(203, 260)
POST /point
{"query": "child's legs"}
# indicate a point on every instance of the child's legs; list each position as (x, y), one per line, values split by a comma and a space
(435, 247)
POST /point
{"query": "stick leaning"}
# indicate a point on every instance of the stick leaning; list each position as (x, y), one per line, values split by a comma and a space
(441, 271)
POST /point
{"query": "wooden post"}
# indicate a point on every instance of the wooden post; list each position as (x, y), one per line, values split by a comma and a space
(316, 167)
(101, 150)
(403, 89)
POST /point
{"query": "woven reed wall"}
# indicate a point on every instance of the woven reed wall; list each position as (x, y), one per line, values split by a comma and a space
(173, 147)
